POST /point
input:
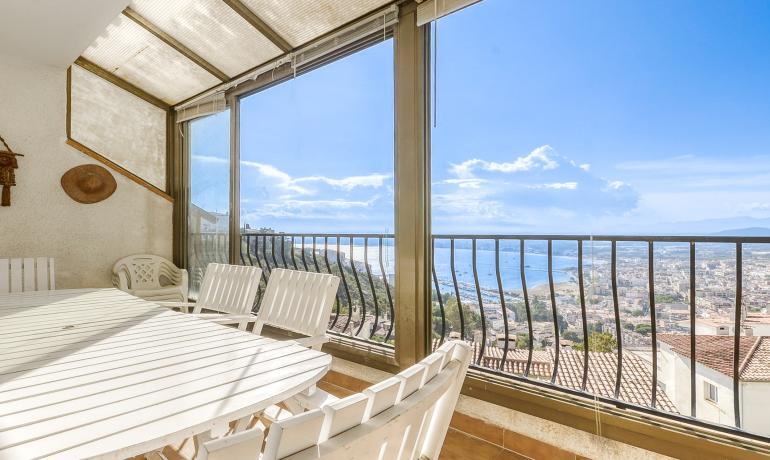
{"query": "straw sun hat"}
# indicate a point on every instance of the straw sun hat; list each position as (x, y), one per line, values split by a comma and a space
(88, 184)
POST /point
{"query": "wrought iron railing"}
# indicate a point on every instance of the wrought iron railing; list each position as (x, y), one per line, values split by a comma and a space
(364, 305)
(532, 305)
(595, 276)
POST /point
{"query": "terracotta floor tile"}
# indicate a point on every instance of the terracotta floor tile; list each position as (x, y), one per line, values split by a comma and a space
(459, 446)
(478, 428)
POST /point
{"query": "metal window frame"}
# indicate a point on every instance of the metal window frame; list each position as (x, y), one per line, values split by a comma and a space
(622, 423)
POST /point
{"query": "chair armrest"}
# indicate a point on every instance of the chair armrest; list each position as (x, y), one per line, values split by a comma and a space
(182, 306)
(317, 399)
(312, 342)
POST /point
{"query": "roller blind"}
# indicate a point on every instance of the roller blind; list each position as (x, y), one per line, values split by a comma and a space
(209, 105)
(430, 10)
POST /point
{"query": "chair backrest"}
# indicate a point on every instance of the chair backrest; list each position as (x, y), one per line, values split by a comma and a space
(298, 301)
(228, 289)
(404, 417)
(144, 271)
(28, 274)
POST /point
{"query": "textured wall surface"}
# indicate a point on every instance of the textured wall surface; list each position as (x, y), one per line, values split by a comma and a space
(43, 221)
(119, 125)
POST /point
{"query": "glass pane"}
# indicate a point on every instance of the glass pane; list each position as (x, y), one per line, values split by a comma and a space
(317, 158)
(119, 126)
(566, 129)
(209, 212)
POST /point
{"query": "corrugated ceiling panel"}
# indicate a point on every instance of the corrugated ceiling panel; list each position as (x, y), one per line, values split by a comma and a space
(119, 125)
(137, 56)
(299, 21)
(212, 30)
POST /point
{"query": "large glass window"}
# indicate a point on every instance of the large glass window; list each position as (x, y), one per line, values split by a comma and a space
(317, 183)
(209, 209)
(581, 142)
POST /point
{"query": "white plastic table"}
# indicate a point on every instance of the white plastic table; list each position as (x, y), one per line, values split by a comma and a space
(100, 373)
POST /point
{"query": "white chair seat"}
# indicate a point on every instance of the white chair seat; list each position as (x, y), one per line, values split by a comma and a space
(227, 290)
(27, 274)
(404, 417)
(150, 277)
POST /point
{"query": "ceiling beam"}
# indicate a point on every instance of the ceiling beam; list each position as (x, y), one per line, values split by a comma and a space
(259, 24)
(175, 44)
(119, 82)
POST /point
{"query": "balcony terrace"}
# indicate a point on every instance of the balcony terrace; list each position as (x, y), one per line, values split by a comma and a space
(578, 345)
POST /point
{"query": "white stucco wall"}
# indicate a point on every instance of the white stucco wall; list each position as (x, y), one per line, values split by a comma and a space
(43, 221)
(755, 407)
(674, 372)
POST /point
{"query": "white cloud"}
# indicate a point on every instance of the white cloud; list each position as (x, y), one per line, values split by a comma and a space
(282, 179)
(467, 183)
(537, 159)
(615, 184)
(210, 159)
(556, 186)
(585, 167)
(351, 182)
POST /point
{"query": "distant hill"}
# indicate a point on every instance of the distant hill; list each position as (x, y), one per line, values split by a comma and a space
(749, 231)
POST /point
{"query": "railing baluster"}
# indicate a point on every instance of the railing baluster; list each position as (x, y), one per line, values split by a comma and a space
(272, 250)
(358, 285)
(438, 293)
(457, 288)
(293, 253)
(240, 246)
(737, 335)
(387, 291)
(557, 344)
(336, 294)
(483, 343)
(315, 261)
(692, 330)
(584, 314)
(526, 307)
(304, 262)
(653, 322)
(616, 306)
(283, 251)
(371, 285)
(345, 284)
(264, 252)
(502, 302)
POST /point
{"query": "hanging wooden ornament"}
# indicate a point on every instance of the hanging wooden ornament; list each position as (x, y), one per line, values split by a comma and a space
(8, 164)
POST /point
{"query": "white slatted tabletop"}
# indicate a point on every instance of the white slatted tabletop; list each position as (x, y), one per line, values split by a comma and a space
(102, 374)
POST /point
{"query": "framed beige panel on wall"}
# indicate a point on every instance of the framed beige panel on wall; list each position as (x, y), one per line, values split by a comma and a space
(119, 126)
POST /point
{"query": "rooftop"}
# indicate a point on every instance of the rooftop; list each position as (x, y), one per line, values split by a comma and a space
(716, 352)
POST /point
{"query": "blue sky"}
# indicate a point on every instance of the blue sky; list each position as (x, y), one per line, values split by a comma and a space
(552, 116)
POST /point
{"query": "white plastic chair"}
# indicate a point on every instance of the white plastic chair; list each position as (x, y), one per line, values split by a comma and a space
(27, 274)
(296, 301)
(227, 290)
(404, 417)
(150, 277)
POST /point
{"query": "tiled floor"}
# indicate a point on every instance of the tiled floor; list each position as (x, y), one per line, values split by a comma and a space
(460, 446)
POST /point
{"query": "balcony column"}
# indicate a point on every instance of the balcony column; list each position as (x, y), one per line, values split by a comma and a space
(412, 188)
(234, 243)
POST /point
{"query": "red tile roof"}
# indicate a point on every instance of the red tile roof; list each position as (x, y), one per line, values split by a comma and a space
(716, 352)
(635, 383)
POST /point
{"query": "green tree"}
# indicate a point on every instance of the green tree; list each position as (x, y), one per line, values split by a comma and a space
(471, 319)
(541, 312)
(600, 341)
(571, 335)
(643, 329)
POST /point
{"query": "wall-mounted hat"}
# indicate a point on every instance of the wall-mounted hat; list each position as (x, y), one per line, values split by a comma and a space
(88, 184)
